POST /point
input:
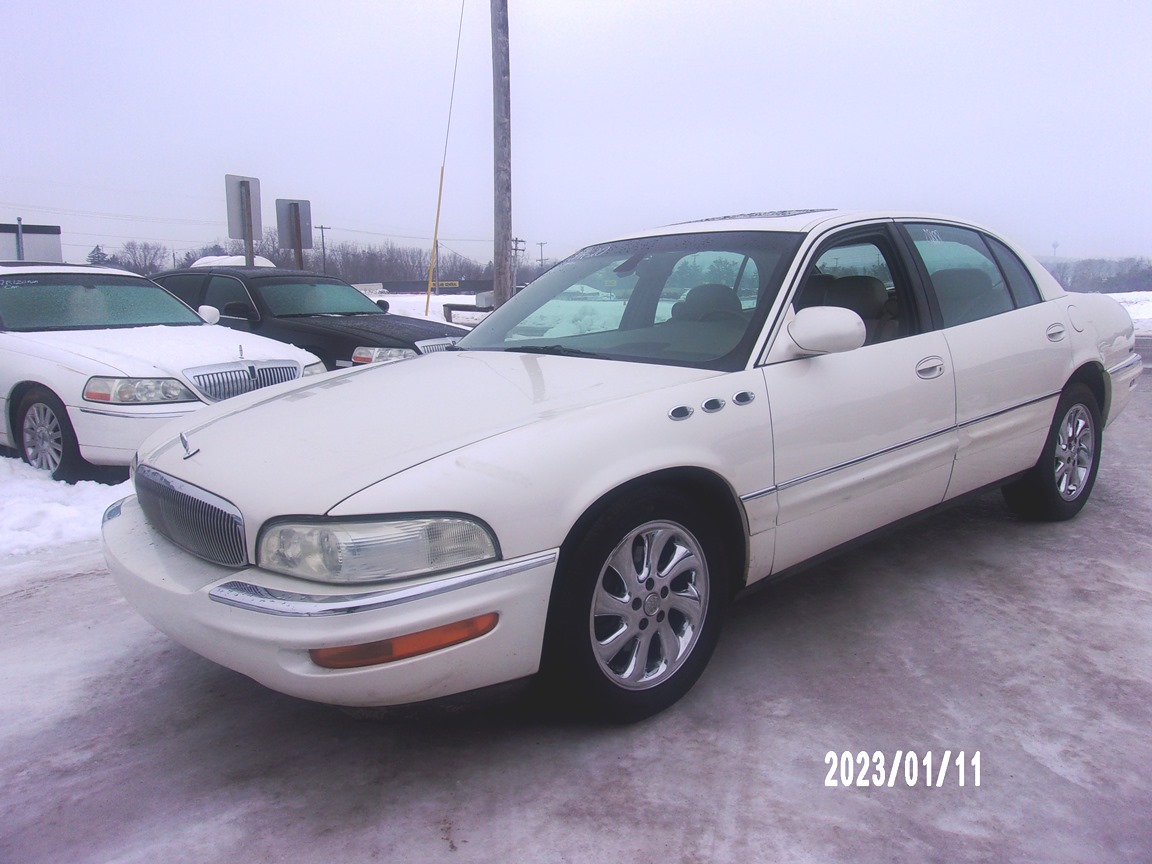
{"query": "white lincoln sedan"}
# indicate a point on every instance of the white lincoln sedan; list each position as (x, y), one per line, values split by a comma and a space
(93, 360)
(579, 489)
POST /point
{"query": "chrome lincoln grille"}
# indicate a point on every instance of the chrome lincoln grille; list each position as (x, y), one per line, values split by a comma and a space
(225, 380)
(194, 519)
(427, 346)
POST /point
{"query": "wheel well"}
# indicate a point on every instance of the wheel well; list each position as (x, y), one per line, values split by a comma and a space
(1092, 376)
(707, 489)
(14, 398)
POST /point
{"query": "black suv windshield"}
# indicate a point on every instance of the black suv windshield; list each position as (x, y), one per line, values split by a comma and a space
(287, 296)
(680, 299)
(83, 301)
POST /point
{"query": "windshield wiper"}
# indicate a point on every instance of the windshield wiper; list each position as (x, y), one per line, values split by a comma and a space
(557, 350)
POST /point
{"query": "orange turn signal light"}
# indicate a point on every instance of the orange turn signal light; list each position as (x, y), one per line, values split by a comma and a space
(403, 647)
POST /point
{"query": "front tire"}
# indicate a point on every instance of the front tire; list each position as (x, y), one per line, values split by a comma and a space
(637, 607)
(1058, 486)
(47, 440)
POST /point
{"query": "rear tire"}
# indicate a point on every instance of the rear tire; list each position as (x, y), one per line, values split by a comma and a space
(1058, 486)
(636, 608)
(47, 440)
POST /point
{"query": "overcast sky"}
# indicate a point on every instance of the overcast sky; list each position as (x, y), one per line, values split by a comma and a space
(1033, 117)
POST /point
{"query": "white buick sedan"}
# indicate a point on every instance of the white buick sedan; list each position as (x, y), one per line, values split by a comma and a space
(578, 491)
(93, 360)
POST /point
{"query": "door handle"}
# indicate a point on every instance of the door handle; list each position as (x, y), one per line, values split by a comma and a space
(930, 367)
(1055, 332)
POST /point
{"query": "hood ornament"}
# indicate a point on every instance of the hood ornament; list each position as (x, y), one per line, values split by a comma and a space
(188, 451)
(241, 352)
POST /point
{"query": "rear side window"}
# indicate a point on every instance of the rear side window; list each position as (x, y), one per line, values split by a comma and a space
(186, 286)
(965, 277)
(1020, 281)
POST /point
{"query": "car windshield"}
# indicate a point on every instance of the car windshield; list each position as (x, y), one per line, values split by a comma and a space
(684, 299)
(301, 295)
(83, 301)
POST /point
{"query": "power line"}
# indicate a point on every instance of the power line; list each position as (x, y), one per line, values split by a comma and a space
(95, 214)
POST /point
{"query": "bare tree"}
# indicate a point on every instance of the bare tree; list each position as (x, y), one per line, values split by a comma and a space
(142, 258)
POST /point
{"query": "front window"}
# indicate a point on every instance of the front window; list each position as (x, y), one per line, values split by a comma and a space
(302, 295)
(685, 300)
(83, 301)
(861, 274)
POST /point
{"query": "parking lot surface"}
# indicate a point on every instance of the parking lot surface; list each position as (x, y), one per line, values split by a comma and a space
(970, 632)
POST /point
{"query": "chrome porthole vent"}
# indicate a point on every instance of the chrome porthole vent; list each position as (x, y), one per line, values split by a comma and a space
(711, 406)
(680, 412)
(744, 397)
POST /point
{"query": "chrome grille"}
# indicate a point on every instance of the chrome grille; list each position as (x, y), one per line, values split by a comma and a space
(427, 346)
(194, 519)
(225, 380)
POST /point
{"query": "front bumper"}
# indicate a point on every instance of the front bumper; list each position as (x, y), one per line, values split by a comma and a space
(263, 624)
(111, 435)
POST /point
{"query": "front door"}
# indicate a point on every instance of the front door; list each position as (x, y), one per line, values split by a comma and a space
(865, 437)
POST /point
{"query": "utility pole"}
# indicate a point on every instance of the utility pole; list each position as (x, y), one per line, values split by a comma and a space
(323, 249)
(518, 247)
(502, 278)
(541, 244)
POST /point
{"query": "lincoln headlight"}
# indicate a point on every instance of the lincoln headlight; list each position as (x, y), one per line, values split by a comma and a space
(137, 391)
(354, 551)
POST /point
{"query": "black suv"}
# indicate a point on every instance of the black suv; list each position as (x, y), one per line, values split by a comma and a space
(321, 314)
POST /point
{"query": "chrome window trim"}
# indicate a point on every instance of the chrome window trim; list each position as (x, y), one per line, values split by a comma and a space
(291, 604)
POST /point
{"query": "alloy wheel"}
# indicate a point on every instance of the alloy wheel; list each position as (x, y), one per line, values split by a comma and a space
(43, 437)
(649, 605)
(1075, 452)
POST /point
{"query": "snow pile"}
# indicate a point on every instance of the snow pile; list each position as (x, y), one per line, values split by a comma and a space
(1139, 306)
(36, 512)
(413, 305)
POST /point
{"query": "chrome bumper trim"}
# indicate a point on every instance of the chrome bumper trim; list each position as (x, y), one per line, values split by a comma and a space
(1120, 368)
(137, 415)
(291, 604)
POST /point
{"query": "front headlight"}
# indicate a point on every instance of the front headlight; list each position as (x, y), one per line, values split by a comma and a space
(314, 369)
(137, 391)
(372, 551)
(367, 354)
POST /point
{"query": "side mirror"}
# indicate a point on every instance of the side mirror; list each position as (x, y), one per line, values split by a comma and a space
(825, 330)
(210, 314)
(240, 309)
(383, 304)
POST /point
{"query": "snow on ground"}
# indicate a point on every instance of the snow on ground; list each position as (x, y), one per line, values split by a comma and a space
(1139, 306)
(37, 513)
(413, 305)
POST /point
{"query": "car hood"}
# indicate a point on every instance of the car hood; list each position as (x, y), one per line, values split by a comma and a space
(162, 350)
(306, 448)
(376, 328)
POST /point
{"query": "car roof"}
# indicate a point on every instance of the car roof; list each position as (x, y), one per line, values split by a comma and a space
(15, 267)
(800, 221)
(247, 272)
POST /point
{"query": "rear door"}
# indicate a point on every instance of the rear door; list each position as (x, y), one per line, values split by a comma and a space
(865, 437)
(1010, 351)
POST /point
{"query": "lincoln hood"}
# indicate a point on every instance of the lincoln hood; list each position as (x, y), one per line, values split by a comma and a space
(310, 445)
(161, 350)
